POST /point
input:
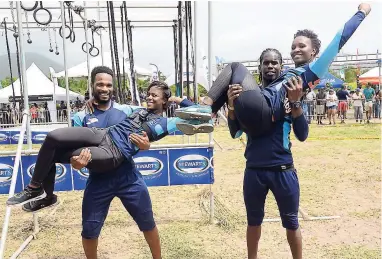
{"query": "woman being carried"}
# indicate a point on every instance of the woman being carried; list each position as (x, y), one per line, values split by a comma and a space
(109, 147)
(258, 109)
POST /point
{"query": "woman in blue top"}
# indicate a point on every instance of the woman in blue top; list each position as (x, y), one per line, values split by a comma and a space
(257, 110)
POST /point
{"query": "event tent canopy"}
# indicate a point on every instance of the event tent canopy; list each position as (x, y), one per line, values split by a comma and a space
(372, 76)
(332, 80)
(38, 84)
(81, 70)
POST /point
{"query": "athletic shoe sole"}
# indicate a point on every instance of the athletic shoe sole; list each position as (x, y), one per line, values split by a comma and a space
(193, 115)
(189, 129)
(43, 208)
(40, 197)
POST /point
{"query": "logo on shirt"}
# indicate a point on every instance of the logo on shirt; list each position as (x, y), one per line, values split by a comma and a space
(3, 137)
(60, 171)
(149, 167)
(192, 164)
(91, 121)
(5, 174)
(287, 108)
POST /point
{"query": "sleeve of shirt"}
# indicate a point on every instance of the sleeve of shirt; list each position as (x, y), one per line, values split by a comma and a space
(300, 127)
(234, 128)
(78, 119)
(186, 103)
(321, 65)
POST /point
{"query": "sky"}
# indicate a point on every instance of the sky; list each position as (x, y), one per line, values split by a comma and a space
(239, 30)
(242, 30)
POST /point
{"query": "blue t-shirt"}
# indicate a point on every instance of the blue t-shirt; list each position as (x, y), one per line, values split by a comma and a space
(369, 93)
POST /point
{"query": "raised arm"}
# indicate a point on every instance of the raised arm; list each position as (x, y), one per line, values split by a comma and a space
(321, 65)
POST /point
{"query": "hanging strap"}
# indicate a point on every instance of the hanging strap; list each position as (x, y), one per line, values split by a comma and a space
(123, 54)
(10, 63)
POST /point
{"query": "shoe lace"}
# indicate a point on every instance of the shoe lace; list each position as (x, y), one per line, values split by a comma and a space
(26, 192)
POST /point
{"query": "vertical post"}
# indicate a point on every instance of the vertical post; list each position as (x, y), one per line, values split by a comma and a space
(187, 54)
(65, 64)
(23, 71)
(100, 36)
(195, 72)
(87, 50)
(180, 49)
(379, 69)
(210, 141)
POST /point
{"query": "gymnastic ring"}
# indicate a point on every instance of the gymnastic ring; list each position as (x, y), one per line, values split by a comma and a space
(84, 47)
(43, 9)
(97, 51)
(28, 9)
(66, 27)
(72, 39)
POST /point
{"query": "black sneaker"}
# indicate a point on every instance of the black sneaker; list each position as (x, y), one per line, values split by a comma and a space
(34, 206)
(27, 195)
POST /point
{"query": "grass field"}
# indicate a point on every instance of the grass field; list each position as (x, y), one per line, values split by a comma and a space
(339, 174)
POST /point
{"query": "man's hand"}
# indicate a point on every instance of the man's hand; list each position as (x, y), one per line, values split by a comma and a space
(142, 142)
(81, 161)
(294, 88)
(233, 92)
(365, 8)
(89, 105)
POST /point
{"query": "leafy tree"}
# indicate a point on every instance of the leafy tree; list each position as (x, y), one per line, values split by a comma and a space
(7, 81)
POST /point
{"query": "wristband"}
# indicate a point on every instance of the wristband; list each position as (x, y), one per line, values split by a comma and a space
(230, 107)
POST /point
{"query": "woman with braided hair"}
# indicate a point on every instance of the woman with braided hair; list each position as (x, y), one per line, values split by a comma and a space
(257, 110)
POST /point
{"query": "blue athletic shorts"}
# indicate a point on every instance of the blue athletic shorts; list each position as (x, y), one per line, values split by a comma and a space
(284, 186)
(101, 189)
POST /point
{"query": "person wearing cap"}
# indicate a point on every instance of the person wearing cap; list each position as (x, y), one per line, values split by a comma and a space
(357, 98)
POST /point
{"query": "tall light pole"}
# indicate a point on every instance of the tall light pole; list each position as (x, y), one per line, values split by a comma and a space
(151, 64)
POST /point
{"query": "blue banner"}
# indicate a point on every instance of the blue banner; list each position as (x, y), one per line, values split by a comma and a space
(153, 166)
(63, 174)
(14, 136)
(80, 178)
(5, 138)
(38, 137)
(6, 170)
(191, 166)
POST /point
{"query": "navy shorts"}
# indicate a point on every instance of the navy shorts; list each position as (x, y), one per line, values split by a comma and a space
(284, 186)
(101, 189)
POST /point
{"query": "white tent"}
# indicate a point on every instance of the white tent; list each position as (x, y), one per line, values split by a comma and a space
(371, 76)
(38, 84)
(81, 70)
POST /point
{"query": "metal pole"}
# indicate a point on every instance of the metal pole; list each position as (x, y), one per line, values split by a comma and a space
(95, 7)
(195, 72)
(87, 50)
(100, 36)
(187, 57)
(14, 175)
(180, 44)
(23, 71)
(212, 205)
(65, 64)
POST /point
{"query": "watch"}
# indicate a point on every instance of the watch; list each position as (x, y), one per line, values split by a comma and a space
(295, 105)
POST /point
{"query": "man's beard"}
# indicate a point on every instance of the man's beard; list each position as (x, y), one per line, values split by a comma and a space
(100, 101)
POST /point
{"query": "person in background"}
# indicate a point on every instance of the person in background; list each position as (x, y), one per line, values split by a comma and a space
(357, 98)
(369, 94)
(320, 108)
(377, 103)
(342, 96)
(33, 112)
(41, 114)
(331, 104)
(309, 99)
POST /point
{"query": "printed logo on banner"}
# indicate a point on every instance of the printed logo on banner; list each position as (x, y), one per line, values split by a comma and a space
(5, 174)
(192, 165)
(150, 167)
(40, 137)
(212, 162)
(84, 172)
(16, 137)
(3, 137)
(60, 172)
